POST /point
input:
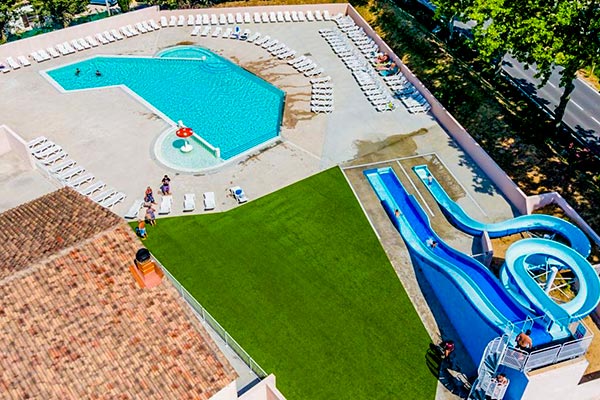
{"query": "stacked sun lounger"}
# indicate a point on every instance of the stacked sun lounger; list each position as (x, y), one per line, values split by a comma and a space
(52, 159)
(366, 76)
(321, 99)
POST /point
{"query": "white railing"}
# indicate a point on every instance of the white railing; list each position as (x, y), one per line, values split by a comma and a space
(526, 361)
(205, 317)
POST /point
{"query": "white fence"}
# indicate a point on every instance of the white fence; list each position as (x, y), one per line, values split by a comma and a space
(205, 317)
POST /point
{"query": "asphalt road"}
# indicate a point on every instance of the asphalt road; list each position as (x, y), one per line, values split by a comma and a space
(583, 110)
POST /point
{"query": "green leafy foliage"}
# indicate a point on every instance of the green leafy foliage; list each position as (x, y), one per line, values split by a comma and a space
(540, 32)
(61, 11)
(8, 11)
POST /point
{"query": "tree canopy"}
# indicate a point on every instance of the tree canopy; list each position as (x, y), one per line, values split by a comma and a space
(62, 11)
(546, 33)
(8, 11)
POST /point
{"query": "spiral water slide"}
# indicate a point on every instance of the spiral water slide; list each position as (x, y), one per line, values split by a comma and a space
(521, 255)
(534, 222)
(488, 297)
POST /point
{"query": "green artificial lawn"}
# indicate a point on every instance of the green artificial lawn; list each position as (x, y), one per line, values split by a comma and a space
(300, 280)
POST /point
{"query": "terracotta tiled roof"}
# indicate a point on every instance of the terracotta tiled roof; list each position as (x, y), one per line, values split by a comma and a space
(76, 325)
(44, 226)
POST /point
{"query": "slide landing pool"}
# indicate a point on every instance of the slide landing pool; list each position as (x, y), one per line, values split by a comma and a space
(479, 305)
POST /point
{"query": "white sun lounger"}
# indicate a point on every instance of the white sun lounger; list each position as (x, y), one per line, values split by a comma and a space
(230, 19)
(101, 38)
(205, 19)
(206, 31)
(238, 193)
(36, 56)
(84, 43)
(214, 19)
(196, 30)
(262, 40)
(222, 19)
(62, 49)
(36, 142)
(100, 197)
(77, 46)
(309, 16)
(24, 61)
(280, 16)
(91, 41)
(217, 31)
(327, 16)
(301, 17)
(165, 205)
(198, 19)
(164, 22)
(134, 210)
(247, 18)
(70, 173)
(12, 63)
(52, 51)
(142, 28)
(108, 36)
(114, 199)
(297, 60)
(227, 33)
(54, 158)
(265, 17)
(269, 43)
(69, 48)
(191, 21)
(318, 15)
(314, 72)
(125, 31)
(257, 19)
(153, 24)
(239, 18)
(41, 147)
(287, 16)
(61, 166)
(91, 189)
(44, 55)
(47, 151)
(272, 16)
(209, 200)
(133, 30)
(117, 35)
(80, 180)
(181, 20)
(287, 54)
(295, 16)
(189, 202)
(4, 68)
(173, 21)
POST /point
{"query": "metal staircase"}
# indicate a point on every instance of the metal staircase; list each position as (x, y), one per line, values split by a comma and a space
(485, 386)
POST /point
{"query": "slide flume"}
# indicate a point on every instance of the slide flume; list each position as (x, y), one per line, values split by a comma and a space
(523, 223)
(477, 284)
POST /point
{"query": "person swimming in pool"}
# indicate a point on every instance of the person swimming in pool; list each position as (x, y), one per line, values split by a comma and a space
(77, 72)
(98, 73)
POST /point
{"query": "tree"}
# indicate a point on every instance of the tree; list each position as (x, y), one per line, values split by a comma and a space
(123, 5)
(546, 33)
(62, 11)
(8, 11)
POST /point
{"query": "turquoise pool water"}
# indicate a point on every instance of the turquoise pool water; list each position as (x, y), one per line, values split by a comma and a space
(226, 105)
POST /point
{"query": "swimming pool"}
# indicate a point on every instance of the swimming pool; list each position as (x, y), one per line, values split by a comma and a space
(227, 106)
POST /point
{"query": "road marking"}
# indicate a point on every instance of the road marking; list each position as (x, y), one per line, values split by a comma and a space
(552, 84)
(595, 120)
(414, 187)
(577, 105)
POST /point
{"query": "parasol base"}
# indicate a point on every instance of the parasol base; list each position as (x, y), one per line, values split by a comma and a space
(186, 148)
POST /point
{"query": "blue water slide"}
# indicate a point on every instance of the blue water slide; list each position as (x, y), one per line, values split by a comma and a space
(519, 257)
(523, 223)
(496, 307)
